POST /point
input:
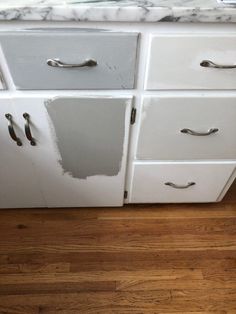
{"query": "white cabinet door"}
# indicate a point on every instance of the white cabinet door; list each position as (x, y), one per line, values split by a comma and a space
(81, 148)
(19, 186)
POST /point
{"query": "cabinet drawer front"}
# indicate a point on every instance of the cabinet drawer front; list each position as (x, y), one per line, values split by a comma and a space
(175, 62)
(170, 127)
(179, 182)
(28, 54)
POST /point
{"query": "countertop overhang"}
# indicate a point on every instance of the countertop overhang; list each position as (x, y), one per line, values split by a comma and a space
(118, 11)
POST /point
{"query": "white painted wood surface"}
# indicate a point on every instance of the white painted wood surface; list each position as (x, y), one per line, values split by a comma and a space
(60, 189)
(163, 118)
(149, 181)
(19, 183)
(29, 98)
(174, 61)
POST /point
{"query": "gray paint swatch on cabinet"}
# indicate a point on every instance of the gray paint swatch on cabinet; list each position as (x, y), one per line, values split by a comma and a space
(27, 53)
(90, 134)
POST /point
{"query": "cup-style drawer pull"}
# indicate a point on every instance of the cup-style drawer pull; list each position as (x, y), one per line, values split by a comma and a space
(11, 129)
(191, 132)
(211, 64)
(176, 186)
(59, 64)
(28, 133)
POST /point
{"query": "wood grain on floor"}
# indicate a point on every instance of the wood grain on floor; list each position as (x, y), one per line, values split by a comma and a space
(136, 259)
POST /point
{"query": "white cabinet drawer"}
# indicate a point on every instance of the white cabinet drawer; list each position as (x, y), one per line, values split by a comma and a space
(32, 57)
(175, 62)
(150, 182)
(165, 119)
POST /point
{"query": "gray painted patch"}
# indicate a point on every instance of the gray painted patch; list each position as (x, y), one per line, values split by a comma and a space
(90, 134)
(27, 53)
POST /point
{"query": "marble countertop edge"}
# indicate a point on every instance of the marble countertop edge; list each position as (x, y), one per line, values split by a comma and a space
(125, 11)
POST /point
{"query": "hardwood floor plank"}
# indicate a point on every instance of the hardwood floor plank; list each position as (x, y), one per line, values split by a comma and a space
(34, 268)
(169, 274)
(86, 261)
(127, 302)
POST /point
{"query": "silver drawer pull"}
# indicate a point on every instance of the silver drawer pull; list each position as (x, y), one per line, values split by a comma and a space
(59, 64)
(28, 133)
(191, 132)
(176, 186)
(211, 64)
(11, 130)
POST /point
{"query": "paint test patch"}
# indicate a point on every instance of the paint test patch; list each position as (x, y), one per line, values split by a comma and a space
(89, 134)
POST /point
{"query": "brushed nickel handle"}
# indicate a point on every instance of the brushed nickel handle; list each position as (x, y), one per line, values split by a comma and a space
(192, 132)
(28, 133)
(176, 186)
(59, 64)
(211, 64)
(11, 129)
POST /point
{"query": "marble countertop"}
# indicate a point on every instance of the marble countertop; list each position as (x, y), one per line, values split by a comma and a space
(118, 10)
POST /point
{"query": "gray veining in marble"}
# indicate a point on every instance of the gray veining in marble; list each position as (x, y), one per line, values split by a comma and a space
(118, 10)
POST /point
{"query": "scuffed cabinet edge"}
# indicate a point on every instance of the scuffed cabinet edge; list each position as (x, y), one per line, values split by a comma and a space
(227, 186)
(137, 57)
(3, 85)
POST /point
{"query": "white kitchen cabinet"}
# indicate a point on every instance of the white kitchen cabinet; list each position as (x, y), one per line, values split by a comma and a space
(182, 79)
(81, 148)
(180, 182)
(19, 183)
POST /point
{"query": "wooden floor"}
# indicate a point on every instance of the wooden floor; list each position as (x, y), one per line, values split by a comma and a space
(139, 259)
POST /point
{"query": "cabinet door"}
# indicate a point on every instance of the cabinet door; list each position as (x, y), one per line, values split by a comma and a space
(19, 187)
(81, 148)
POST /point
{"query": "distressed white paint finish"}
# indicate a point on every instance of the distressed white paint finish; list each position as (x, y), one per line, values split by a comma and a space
(60, 189)
(174, 61)
(149, 181)
(18, 180)
(163, 118)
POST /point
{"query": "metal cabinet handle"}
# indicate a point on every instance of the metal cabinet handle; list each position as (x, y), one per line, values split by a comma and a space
(176, 186)
(211, 64)
(28, 133)
(59, 64)
(11, 130)
(191, 132)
